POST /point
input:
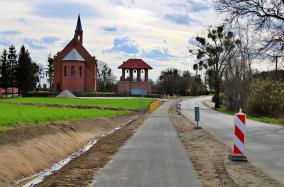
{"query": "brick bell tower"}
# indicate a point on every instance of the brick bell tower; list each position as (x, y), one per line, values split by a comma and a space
(131, 84)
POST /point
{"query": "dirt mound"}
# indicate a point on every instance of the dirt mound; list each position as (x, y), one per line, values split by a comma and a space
(66, 94)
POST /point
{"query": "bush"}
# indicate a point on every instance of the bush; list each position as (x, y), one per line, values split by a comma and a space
(40, 94)
(110, 94)
(266, 98)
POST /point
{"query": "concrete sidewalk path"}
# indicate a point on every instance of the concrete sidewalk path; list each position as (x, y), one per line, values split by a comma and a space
(152, 157)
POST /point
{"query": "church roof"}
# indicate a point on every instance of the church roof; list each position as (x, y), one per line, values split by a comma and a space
(79, 25)
(73, 55)
(134, 64)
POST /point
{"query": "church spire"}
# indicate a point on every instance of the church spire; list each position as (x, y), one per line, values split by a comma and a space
(79, 25)
(79, 31)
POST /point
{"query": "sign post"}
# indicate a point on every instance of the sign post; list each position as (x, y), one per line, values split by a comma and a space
(197, 117)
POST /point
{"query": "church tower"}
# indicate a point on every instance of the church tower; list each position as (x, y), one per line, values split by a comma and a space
(79, 31)
(75, 69)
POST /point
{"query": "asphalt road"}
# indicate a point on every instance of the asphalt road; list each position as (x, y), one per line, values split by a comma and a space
(152, 157)
(264, 142)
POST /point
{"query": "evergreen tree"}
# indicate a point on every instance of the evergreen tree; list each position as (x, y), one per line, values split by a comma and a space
(4, 78)
(27, 72)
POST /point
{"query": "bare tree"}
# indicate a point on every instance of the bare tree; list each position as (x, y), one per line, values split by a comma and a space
(239, 73)
(261, 13)
(264, 16)
(246, 48)
(106, 79)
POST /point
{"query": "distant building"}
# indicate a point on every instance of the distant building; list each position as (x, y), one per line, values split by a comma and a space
(134, 79)
(2, 91)
(75, 69)
(9, 91)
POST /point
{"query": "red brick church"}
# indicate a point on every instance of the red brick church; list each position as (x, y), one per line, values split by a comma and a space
(75, 69)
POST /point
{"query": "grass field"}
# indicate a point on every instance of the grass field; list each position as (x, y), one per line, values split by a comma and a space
(256, 118)
(13, 115)
(135, 103)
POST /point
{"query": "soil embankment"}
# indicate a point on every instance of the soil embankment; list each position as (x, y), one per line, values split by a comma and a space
(83, 170)
(209, 156)
(25, 151)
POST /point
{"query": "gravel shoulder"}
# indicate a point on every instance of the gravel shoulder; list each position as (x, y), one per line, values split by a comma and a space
(209, 156)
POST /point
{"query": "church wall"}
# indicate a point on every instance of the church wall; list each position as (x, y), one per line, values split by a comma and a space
(127, 86)
(90, 78)
(75, 83)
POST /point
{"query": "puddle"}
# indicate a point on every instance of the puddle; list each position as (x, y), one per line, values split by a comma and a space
(39, 177)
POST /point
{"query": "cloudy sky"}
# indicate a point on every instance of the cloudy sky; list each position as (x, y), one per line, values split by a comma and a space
(114, 30)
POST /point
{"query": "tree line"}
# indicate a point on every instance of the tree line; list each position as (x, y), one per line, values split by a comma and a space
(17, 70)
(176, 82)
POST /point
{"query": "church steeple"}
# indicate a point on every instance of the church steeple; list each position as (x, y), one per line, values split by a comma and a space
(79, 31)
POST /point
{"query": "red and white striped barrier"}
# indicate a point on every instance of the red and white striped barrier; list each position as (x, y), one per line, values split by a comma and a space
(239, 137)
(179, 106)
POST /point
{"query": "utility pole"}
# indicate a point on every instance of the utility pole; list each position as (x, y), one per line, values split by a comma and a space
(276, 66)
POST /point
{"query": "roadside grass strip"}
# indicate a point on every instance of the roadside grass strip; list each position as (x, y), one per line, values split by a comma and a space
(133, 104)
(15, 115)
(255, 118)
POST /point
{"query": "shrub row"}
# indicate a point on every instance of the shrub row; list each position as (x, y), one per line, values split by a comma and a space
(266, 98)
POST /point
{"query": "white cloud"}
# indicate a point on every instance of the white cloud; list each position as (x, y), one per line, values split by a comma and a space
(142, 22)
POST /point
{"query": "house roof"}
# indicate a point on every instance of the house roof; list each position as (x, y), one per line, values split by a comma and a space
(79, 25)
(73, 55)
(135, 64)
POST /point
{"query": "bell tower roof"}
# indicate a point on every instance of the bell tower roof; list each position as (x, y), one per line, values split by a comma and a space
(79, 31)
(79, 25)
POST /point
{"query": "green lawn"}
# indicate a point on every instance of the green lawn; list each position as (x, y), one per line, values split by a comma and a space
(256, 118)
(13, 115)
(135, 103)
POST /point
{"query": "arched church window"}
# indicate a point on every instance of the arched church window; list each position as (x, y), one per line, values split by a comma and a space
(72, 71)
(80, 71)
(65, 71)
